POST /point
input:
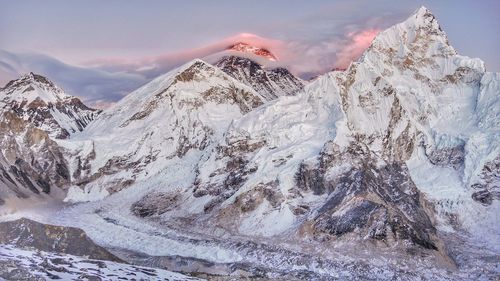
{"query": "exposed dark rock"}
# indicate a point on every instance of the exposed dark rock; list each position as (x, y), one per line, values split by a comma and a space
(489, 184)
(449, 156)
(483, 196)
(251, 199)
(309, 178)
(26, 233)
(269, 83)
(154, 204)
(367, 200)
(356, 217)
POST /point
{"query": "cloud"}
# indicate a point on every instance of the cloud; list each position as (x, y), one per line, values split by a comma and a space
(305, 58)
(151, 67)
(357, 43)
(102, 82)
(94, 86)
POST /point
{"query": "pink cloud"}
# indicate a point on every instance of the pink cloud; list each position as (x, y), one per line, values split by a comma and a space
(172, 59)
(301, 58)
(357, 43)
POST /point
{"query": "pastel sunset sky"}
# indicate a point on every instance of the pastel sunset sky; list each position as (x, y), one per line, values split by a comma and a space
(102, 50)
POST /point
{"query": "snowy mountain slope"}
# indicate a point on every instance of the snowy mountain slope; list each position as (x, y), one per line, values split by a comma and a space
(39, 101)
(408, 92)
(349, 173)
(155, 126)
(412, 98)
(269, 83)
(260, 155)
(396, 155)
(32, 166)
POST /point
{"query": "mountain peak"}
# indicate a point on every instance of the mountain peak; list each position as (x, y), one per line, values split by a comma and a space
(423, 17)
(35, 98)
(37, 78)
(247, 48)
(192, 70)
(422, 11)
(33, 86)
(419, 35)
(269, 83)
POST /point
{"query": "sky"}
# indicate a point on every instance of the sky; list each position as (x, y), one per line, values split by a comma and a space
(102, 50)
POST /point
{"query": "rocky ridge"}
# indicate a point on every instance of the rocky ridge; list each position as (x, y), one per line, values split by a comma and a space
(38, 100)
(269, 83)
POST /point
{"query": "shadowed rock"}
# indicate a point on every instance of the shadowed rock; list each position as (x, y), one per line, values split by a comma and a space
(372, 201)
(26, 233)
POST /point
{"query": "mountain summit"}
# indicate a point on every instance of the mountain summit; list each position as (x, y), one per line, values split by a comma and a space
(38, 100)
(247, 48)
(269, 83)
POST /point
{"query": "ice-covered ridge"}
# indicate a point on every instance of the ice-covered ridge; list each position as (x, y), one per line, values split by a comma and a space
(39, 101)
(173, 117)
(30, 87)
(270, 83)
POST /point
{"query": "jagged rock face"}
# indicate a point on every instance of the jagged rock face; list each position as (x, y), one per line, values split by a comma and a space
(231, 172)
(154, 204)
(396, 88)
(488, 187)
(31, 163)
(38, 100)
(410, 91)
(177, 114)
(270, 84)
(449, 156)
(367, 197)
(26, 233)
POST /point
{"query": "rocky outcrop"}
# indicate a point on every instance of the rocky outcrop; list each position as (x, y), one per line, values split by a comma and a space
(367, 198)
(39, 101)
(154, 204)
(25, 233)
(488, 187)
(269, 83)
(448, 156)
(31, 162)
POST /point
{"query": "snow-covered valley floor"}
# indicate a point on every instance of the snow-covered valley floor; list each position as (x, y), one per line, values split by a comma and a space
(20, 264)
(160, 244)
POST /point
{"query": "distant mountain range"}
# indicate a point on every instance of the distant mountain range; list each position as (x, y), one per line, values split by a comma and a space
(398, 154)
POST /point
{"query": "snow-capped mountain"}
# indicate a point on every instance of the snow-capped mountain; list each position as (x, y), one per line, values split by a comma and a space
(38, 100)
(148, 131)
(34, 114)
(269, 83)
(398, 155)
(409, 104)
(250, 49)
